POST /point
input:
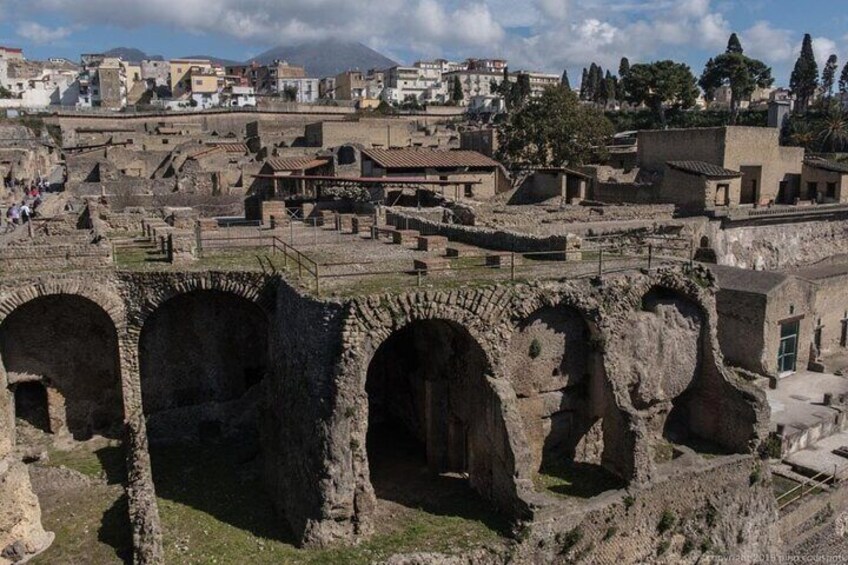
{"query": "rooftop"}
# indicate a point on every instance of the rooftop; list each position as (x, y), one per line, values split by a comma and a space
(747, 280)
(420, 158)
(703, 169)
(825, 165)
(303, 163)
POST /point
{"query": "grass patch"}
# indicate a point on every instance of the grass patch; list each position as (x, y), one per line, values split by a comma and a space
(580, 480)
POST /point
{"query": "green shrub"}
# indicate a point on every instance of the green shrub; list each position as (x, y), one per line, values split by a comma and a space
(535, 348)
(569, 539)
(663, 547)
(667, 520)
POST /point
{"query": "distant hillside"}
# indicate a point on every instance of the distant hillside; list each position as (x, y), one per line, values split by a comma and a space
(214, 60)
(327, 58)
(131, 54)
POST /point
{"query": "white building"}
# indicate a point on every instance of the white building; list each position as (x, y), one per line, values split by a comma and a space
(307, 90)
(240, 96)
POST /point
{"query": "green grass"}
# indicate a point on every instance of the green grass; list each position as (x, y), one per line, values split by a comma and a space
(575, 480)
(213, 509)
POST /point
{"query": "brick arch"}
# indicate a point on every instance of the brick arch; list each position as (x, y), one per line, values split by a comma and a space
(253, 289)
(110, 302)
(479, 314)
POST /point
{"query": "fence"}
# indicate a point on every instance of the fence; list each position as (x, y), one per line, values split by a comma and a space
(596, 258)
(816, 482)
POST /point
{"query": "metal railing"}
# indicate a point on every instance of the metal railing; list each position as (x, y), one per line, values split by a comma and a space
(810, 485)
(606, 256)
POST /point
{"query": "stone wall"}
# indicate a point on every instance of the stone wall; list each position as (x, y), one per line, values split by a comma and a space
(55, 256)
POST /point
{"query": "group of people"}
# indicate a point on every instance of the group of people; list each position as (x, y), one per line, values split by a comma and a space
(20, 213)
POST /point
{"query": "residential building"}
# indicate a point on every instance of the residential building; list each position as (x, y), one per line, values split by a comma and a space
(539, 81)
(239, 96)
(473, 82)
(489, 65)
(327, 88)
(181, 70)
(350, 85)
(11, 54)
(824, 181)
(156, 74)
(111, 87)
(472, 174)
(302, 90)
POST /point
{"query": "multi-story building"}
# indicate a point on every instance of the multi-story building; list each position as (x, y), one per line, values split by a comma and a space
(11, 54)
(327, 88)
(302, 90)
(350, 85)
(473, 82)
(539, 81)
(181, 70)
(156, 74)
(493, 65)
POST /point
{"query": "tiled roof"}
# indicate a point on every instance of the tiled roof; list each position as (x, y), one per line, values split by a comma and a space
(832, 166)
(206, 151)
(423, 158)
(704, 169)
(233, 147)
(296, 163)
(746, 280)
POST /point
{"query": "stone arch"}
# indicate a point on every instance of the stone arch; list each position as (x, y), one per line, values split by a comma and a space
(372, 322)
(198, 377)
(572, 422)
(430, 378)
(110, 302)
(68, 341)
(252, 288)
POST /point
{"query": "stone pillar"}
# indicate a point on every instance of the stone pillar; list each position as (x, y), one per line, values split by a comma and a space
(141, 493)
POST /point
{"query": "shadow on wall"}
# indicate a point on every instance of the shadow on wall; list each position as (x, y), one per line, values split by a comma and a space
(70, 344)
(432, 440)
(575, 434)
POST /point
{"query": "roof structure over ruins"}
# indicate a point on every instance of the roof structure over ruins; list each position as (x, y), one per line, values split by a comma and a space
(825, 165)
(703, 169)
(303, 163)
(417, 158)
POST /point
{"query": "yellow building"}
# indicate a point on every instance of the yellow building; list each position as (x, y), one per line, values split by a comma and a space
(181, 71)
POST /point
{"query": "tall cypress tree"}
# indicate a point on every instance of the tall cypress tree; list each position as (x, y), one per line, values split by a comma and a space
(828, 78)
(805, 75)
(843, 80)
(584, 85)
(623, 72)
(733, 44)
(564, 82)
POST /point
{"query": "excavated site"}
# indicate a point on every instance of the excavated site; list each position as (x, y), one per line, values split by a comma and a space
(470, 381)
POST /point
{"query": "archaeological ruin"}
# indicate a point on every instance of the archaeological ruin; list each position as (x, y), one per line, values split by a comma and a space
(222, 332)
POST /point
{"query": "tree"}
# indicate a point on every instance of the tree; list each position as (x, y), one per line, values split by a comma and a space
(736, 70)
(661, 84)
(804, 79)
(733, 44)
(828, 78)
(5, 92)
(834, 128)
(623, 72)
(608, 89)
(596, 78)
(584, 85)
(456, 94)
(290, 93)
(843, 80)
(552, 130)
(564, 82)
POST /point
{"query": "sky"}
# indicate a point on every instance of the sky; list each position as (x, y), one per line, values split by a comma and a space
(545, 35)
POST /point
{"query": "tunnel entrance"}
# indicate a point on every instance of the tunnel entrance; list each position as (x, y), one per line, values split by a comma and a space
(203, 356)
(429, 441)
(71, 343)
(31, 405)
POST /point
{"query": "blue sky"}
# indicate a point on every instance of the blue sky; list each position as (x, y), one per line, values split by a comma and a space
(542, 34)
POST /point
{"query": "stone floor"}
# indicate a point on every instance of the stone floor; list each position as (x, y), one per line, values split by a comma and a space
(798, 400)
(820, 458)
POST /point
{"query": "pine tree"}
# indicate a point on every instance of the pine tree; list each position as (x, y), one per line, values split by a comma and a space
(456, 91)
(733, 44)
(804, 79)
(828, 78)
(623, 73)
(611, 87)
(584, 85)
(843, 80)
(564, 82)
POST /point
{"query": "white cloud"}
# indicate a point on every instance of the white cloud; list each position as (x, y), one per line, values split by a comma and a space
(824, 48)
(763, 41)
(40, 34)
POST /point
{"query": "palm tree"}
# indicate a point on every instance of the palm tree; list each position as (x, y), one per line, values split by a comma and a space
(834, 130)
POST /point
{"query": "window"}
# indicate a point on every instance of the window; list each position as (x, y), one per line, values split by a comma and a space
(469, 191)
(788, 351)
(812, 190)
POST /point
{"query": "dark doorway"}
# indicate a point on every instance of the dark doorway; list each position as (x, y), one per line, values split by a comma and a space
(428, 434)
(31, 405)
(750, 193)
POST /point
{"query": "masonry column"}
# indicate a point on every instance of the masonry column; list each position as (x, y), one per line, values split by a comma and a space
(144, 513)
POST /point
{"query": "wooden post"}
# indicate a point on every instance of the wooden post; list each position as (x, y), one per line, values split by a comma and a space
(512, 266)
(650, 255)
(299, 265)
(317, 279)
(600, 261)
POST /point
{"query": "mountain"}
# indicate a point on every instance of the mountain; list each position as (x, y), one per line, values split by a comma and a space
(214, 60)
(131, 54)
(327, 58)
